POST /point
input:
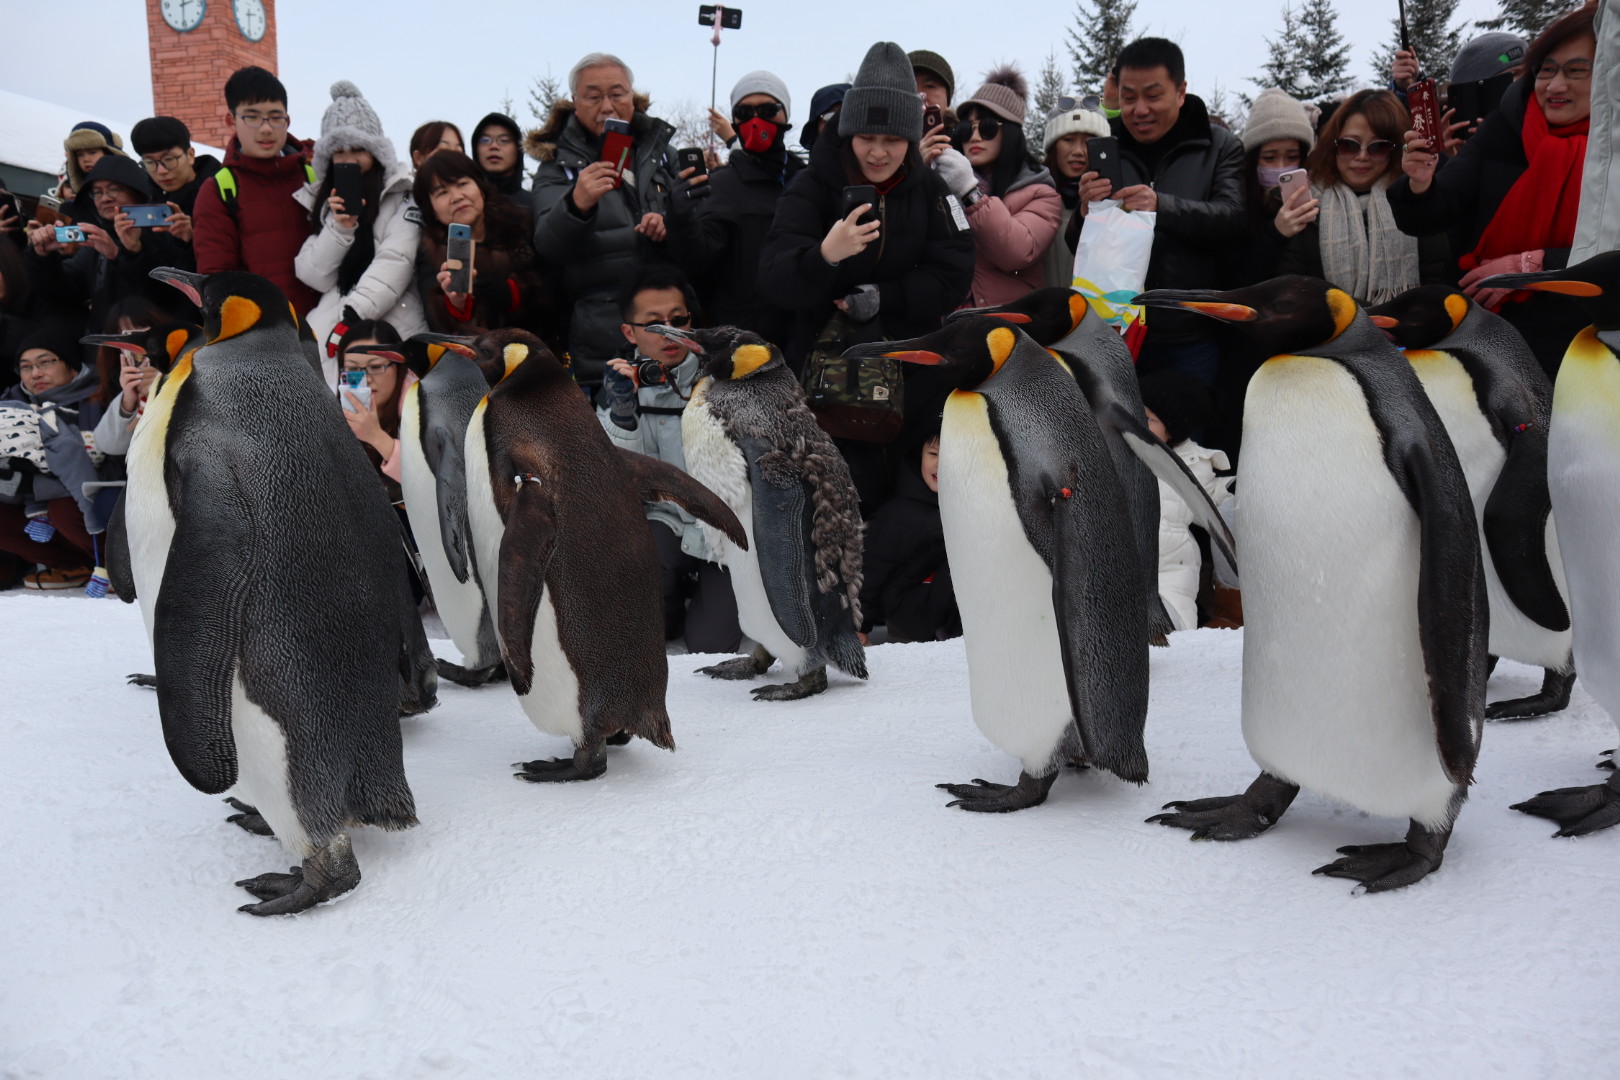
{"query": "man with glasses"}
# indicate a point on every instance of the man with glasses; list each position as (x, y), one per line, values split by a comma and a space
(498, 149)
(163, 144)
(246, 215)
(596, 218)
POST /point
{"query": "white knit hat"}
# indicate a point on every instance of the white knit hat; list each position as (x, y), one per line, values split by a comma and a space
(763, 82)
(1073, 121)
(1275, 115)
(350, 123)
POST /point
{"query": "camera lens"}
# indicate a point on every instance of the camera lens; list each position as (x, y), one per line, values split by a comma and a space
(651, 373)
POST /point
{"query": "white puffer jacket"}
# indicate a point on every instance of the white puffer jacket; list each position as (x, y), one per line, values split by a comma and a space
(387, 290)
(1179, 558)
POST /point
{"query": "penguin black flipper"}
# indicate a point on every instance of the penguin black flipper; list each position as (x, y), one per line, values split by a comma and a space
(658, 481)
(782, 538)
(443, 450)
(119, 572)
(1167, 465)
(1515, 526)
(531, 532)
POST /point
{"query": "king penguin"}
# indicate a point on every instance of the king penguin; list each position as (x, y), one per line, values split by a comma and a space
(261, 548)
(433, 420)
(1583, 476)
(1045, 566)
(1363, 595)
(557, 516)
(1495, 402)
(748, 434)
(1063, 322)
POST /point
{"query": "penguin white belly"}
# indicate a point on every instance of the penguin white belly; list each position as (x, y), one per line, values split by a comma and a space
(552, 702)
(1004, 593)
(262, 777)
(716, 462)
(460, 604)
(482, 516)
(1335, 691)
(1583, 473)
(148, 518)
(1451, 390)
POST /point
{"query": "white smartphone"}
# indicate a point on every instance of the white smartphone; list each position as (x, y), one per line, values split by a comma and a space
(353, 382)
(1289, 181)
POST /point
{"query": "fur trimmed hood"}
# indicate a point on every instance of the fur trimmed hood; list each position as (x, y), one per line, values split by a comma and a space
(541, 142)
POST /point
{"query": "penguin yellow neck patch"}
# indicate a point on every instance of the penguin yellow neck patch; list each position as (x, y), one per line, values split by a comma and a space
(1001, 341)
(1343, 309)
(513, 356)
(1457, 308)
(1077, 310)
(236, 315)
(748, 359)
(175, 342)
(435, 353)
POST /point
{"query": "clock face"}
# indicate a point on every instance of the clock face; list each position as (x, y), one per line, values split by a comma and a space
(184, 15)
(250, 18)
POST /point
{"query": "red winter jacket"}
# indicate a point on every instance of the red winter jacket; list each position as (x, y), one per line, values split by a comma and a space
(267, 227)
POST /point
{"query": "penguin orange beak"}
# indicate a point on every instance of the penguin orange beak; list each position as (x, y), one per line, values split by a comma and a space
(1384, 322)
(1199, 301)
(184, 280)
(916, 356)
(460, 345)
(117, 341)
(1544, 282)
(664, 330)
(989, 313)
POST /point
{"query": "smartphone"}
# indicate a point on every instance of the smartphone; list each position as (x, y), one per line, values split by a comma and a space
(616, 146)
(363, 392)
(1102, 155)
(1423, 102)
(1474, 101)
(933, 116)
(346, 185)
(1289, 181)
(690, 158)
(858, 195)
(50, 202)
(69, 234)
(459, 255)
(147, 215)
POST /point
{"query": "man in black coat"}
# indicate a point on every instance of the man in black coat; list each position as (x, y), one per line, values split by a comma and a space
(163, 145)
(497, 146)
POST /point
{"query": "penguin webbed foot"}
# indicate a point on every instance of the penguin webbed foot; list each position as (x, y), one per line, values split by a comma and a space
(1552, 697)
(1381, 867)
(249, 818)
(741, 667)
(148, 681)
(983, 797)
(326, 875)
(465, 676)
(588, 762)
(1231, 817)
(809, 684)
(1578, 810)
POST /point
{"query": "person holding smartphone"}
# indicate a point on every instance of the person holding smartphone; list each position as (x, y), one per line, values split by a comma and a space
(125, 379)
(1072, 123)
(362, 258)
(375, 422)
(1276, 141)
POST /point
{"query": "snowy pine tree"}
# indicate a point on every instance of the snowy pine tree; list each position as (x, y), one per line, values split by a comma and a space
(1049, 86)
(543, 94)
(1525, 17)
(1287, 56)
(1233, 110)
(1102, 28)
(1434, 39)
(1327, 56)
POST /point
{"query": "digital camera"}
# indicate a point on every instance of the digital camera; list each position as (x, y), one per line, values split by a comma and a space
(651, 373)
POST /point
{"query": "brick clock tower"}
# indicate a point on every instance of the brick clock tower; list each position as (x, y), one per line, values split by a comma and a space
(195, 46)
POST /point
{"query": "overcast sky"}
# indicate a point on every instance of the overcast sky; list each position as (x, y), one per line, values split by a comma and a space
(417, 61)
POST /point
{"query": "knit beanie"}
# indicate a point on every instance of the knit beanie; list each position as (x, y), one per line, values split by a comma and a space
(350, 123)
(1004, 93)
(1486, 56)
(883, 99)
(1076, 121)
(934, 64)
(763, 82)
(1179, 400)
(1275, 115)
(59, 337)
(88, 135)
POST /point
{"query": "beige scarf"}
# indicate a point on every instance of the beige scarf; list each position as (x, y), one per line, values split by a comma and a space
(1363, 252)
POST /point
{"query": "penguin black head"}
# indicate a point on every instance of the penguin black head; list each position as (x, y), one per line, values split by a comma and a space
(1046, 315)
(419, 353)
(500, 353)
(1284, 315)
(1422, 317)
(232, 301)
(726, 352)
(162, 344)
(968, 350)
(1594, 284)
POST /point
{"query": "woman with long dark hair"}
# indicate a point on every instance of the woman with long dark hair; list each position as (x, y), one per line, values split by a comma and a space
(376, 425)
(432, 137)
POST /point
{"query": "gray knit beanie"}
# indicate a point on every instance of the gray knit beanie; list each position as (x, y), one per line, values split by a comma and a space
(883, 99)
(1487, 56)
(350, 123)
(1275, 115)
(763, 82)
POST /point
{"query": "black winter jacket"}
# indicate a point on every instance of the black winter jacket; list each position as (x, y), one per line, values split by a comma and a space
(1199, 181)
(717, 240)
(907, 583)
(922, 263)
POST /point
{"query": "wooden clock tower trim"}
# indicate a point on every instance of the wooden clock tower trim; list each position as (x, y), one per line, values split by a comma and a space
(189, 70)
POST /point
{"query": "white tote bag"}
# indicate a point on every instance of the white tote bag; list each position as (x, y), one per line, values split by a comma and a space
(1111, 265)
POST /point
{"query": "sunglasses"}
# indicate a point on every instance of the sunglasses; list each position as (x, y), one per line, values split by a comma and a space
(678, 321)
(1090, 102)
(989, 127)
(744, 113)
(1378, 149)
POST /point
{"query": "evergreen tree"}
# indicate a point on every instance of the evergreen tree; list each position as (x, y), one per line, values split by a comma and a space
(1433, 37)
(1526, 18)
(1102, 28)
(1327, 54)
(1049, 86)
(543, 94)
(1288, 56)
(1221, 105)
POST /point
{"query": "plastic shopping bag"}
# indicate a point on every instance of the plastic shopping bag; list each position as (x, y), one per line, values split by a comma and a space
(1111, 265)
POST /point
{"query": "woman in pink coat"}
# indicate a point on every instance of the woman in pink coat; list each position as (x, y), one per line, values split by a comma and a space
(1009, 198)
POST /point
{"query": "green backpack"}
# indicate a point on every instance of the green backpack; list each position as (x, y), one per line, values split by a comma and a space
(862, 400)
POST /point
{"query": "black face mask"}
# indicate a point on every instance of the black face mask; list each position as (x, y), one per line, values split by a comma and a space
(989, 128)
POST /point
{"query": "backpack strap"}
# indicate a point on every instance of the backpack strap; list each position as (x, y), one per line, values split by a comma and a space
(227, 189)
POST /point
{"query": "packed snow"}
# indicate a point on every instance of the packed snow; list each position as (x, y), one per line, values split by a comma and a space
(787, 895)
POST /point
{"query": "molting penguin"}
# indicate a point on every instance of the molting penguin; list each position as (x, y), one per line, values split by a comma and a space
(260, 545)
(1061, 320)
(1495, 402)
(1363, 594)
(1583, 476)
(559, 526)
(749, 436)
(1048, 578)
(433, 422)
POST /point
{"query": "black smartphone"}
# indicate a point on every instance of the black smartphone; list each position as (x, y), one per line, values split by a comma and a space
(690, 158)
(1102, 154)
(459, 254)
(858, 195)
(933, 116)
(346, 184)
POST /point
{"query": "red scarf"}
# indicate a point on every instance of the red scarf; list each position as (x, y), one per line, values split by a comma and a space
(1540, 209)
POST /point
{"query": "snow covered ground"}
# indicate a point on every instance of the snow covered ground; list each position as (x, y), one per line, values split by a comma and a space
(785, 896)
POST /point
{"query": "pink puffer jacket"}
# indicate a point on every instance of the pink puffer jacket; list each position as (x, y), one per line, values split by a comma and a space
(1010, 236)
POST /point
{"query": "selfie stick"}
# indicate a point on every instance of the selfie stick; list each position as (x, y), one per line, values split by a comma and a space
(1406, 37)
(714, 73)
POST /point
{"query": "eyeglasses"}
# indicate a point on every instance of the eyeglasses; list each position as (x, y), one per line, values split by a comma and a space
(677, 321)
(1090, 102)
(29, 367)
(618, 96)
(496, 140)
(744, 113)
(375, 367)
(166, 163)
(989, 127)
(1574, 70)
(1378, 149)
(254, 120)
